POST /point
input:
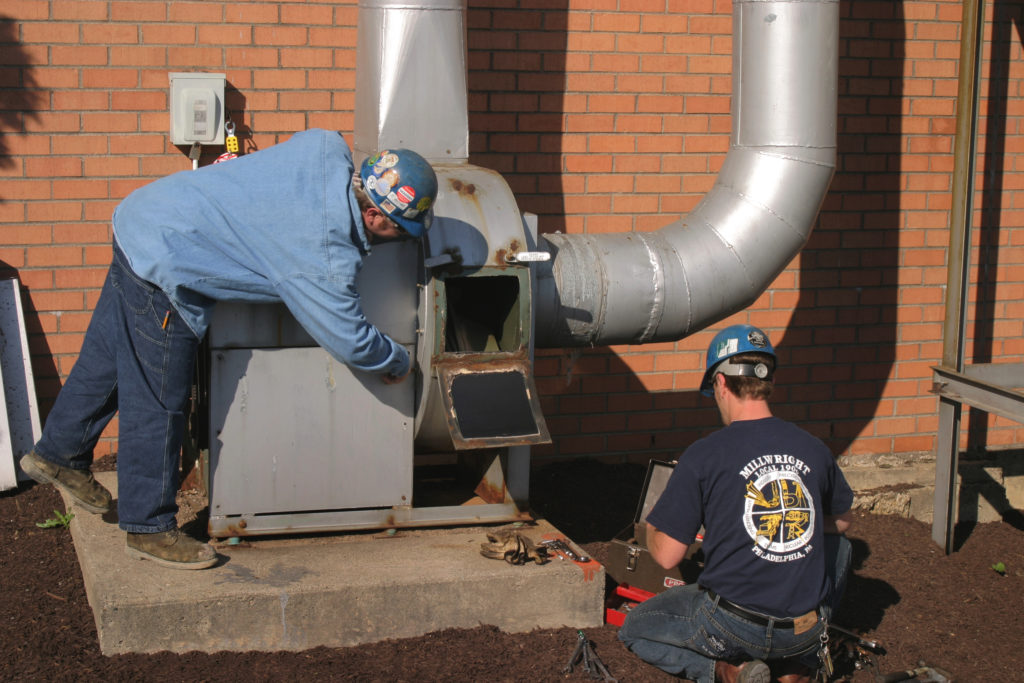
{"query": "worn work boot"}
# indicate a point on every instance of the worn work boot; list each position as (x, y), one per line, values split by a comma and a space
(754, 671)
(171, 549)
(79, 484)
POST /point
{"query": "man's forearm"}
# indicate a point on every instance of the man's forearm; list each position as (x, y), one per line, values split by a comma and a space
(665, 550)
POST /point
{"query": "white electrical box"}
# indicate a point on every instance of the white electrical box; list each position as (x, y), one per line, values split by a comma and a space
(197, 108)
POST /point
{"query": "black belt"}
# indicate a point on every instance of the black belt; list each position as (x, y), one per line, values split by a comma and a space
(759, 619)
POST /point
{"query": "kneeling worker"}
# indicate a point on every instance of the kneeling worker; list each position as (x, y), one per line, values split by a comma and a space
(774, 505)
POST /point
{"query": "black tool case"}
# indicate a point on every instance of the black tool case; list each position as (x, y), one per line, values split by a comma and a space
(630, 562)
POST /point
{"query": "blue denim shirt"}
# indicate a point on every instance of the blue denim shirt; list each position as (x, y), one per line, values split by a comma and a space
(278, 225)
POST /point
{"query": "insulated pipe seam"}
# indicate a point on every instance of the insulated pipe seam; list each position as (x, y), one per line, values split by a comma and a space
(658, 287)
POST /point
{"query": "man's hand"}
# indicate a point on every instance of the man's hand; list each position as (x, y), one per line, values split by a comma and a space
(838, 524)
(395, 379)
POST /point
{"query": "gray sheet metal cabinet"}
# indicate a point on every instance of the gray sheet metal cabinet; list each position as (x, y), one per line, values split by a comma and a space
(297, 430)
(297, 439)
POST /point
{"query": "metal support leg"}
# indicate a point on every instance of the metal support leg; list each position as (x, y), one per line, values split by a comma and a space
(947, 450)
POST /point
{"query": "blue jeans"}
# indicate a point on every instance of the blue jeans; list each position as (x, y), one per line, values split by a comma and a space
(683, 631)
(137, 360)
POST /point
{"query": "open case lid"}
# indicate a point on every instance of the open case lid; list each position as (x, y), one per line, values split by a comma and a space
(658, 473)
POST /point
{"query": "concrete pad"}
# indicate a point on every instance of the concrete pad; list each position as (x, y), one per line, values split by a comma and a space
(341, 590)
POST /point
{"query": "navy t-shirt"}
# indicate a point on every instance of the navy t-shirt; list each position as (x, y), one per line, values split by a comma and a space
(761, 489)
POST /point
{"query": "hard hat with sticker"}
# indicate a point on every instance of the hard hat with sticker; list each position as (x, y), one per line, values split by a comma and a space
(393, 180)
(732, 341)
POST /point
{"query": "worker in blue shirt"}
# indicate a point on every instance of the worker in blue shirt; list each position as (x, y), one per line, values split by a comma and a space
(292, 224)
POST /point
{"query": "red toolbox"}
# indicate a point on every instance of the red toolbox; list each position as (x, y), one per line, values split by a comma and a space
(621, 601)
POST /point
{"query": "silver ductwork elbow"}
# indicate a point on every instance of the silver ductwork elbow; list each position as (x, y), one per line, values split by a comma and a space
(641, 286)
(665, 285)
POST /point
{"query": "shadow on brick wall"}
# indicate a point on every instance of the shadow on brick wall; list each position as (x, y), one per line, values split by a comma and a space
(22, 98)
(838, 349)
(1007, 15)
(517, 82)
(20, 93)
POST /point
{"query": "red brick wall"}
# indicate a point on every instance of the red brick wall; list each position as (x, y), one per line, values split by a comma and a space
(604, 116)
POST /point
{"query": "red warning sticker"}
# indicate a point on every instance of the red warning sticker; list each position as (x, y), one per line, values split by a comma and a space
(406, 194)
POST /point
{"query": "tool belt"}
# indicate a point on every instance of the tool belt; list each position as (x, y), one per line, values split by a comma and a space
(799, 624)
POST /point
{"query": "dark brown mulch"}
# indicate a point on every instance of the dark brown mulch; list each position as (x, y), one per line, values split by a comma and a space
(955, 612)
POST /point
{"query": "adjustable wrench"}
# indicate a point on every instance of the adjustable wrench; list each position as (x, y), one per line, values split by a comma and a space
(563, 548)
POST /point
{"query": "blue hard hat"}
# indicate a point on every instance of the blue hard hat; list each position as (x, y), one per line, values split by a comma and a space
(731, 341)
(403, 185)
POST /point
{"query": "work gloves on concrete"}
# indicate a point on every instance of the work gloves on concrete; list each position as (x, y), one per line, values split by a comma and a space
(513, 547)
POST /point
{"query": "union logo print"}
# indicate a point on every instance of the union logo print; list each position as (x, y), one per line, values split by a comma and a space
(779, 512)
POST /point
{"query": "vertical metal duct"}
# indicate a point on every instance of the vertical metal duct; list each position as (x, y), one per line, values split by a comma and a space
(662, 286)
(411, 73)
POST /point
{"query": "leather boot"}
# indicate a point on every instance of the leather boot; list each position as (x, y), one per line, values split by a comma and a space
(171, 549)
(754, 671)
(79, 484)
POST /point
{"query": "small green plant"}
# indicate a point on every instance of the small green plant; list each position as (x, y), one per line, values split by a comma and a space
(60, 520)
(999, 568)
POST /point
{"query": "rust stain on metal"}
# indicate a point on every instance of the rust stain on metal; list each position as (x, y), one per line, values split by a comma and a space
(465, 189)
(490, 492)
(234, 530)
(484, 362)
(505, 255)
